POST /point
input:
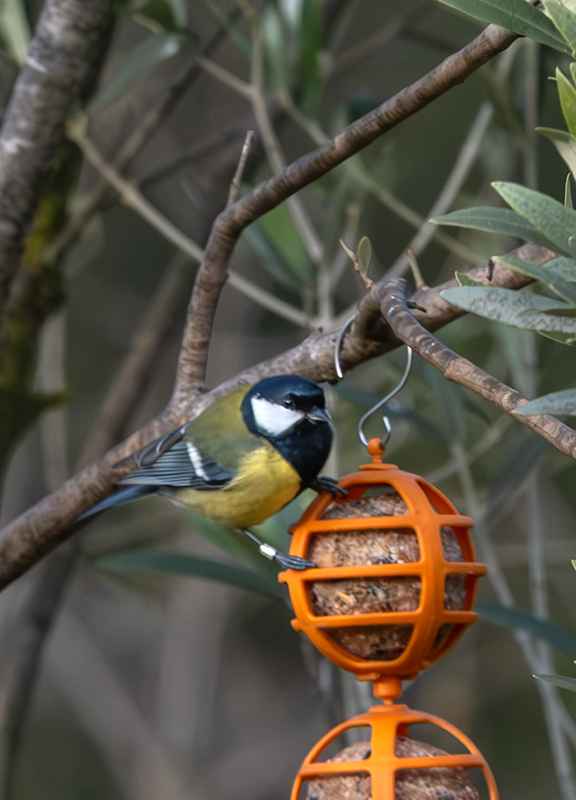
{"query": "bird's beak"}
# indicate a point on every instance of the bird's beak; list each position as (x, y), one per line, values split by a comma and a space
(319, 415)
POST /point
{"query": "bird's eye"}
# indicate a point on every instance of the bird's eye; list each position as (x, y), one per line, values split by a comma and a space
(288, 403)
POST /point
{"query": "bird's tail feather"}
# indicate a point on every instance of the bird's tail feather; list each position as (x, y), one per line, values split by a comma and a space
(125, 495)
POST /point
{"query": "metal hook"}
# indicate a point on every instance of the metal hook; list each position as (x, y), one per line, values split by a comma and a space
(339, 341)
(380, 403)
(383, 402)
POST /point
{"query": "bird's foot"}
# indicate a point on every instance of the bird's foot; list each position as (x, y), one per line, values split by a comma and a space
(282, 559)
(325, 484)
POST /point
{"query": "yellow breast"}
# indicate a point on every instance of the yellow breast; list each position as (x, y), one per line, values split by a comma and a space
(265, 483)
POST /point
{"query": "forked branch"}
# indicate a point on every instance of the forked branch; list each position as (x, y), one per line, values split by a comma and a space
(49, 522)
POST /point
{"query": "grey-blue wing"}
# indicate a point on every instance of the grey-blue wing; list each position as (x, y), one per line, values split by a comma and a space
(178, 464)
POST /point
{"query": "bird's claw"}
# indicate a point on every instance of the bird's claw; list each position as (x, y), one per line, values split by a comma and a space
(284, 560)
(326, 484)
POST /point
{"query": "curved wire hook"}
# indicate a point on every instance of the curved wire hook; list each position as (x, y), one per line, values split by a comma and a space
(339, 341)
(384, 400)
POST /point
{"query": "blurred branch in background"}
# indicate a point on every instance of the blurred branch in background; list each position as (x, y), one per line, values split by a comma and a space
(147, 127)
(38, 170)
(49, 84)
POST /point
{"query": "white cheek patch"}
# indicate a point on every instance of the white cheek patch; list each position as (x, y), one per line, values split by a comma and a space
(273, 419)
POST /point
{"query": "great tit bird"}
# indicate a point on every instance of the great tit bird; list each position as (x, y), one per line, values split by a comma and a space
(242, 459)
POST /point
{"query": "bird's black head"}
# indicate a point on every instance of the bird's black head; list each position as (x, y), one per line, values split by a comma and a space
(291, 413)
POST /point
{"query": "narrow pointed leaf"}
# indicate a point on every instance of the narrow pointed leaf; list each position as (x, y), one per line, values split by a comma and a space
(14, 31)
(274, 36)
(364, 254)
(547, 276)
(563, 402)
(516, 15)
(514, 470)
(147, 55)
(565, 144)
(495, 220)
(156, 15)
(179, 12)
(464, 279)
(520, 309)
(232, 27)
(278, 226)
(310, 36)
(562, 338)
(559, 680)
(563, 18)
(567, 95)
(556, 222)
(563, 267)
(271, 259)
(191, 567)
(502, 97)
(567, 312)
(521, 620)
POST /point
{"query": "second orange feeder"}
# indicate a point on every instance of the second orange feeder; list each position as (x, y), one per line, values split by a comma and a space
(386, 765)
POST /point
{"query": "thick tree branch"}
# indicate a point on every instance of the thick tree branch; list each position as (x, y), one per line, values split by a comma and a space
(65, 47)
(267, 195)
(49, 522)
(39, 530)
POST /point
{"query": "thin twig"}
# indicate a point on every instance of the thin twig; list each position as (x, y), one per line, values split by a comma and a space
(266, 196)
(459, 173)
(419, 281)
(489, 440)
(377, 41)
(226, 77)
(460, 370)
(130, 195)
(360, 270)
(389, 200)
(237, 179)
(134, 199)
(452, 186)
(131, 147)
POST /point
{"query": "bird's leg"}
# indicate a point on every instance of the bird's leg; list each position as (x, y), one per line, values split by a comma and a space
(283, 559)
(325, 484)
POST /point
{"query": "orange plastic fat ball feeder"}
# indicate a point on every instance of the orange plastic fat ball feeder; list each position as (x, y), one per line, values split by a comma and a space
(415, 579)
(390, 765)
(392, 593)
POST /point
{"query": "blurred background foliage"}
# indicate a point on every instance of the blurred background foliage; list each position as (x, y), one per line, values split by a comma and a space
(171, 669)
